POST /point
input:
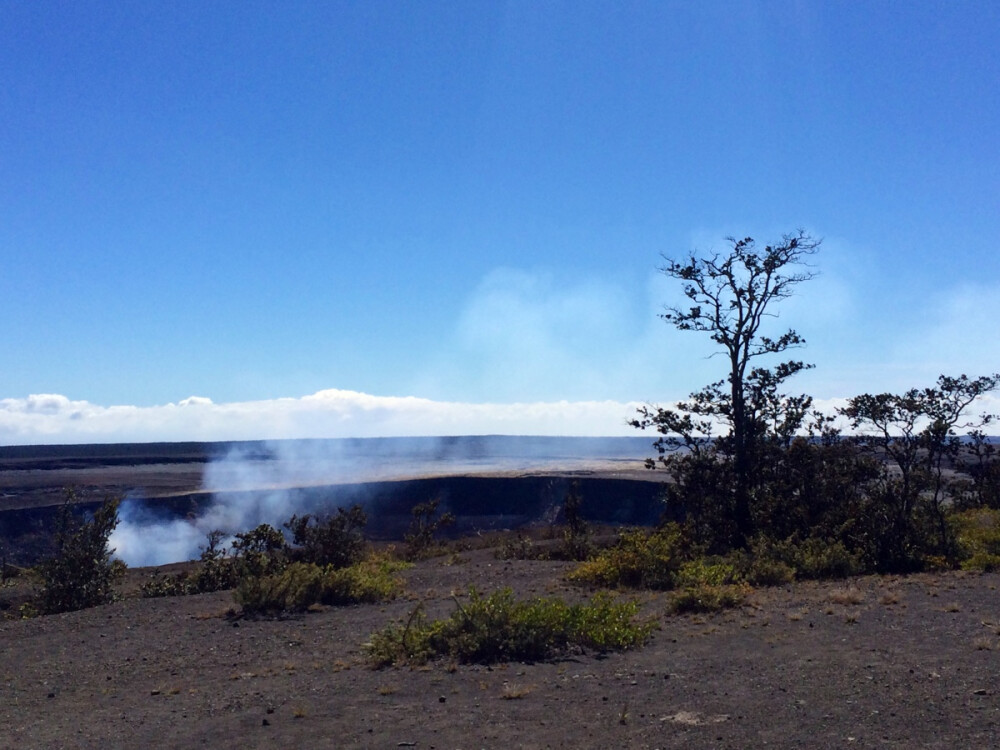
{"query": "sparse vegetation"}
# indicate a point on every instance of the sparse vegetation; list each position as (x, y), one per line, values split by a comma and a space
(301, 585)
(263, 552)
(707, 597)
(498, 628)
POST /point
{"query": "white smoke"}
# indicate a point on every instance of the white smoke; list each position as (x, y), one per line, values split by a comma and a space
(266, 482)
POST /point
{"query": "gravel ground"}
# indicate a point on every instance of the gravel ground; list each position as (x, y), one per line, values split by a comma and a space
(872, 662)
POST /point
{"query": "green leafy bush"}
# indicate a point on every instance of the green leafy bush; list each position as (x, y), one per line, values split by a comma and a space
(336, 540)
(81, 573)
(711, 571)
(259, 552)
(761, 570)
(498, 628)
(641, 559)
(302, 585)
(822, 558)
(977, 535)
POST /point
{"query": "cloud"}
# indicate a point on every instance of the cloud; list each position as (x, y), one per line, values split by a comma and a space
(52, 418)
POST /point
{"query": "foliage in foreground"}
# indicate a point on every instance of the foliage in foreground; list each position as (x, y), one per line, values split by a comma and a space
(498, 628)
(81, 573)
(302, 585)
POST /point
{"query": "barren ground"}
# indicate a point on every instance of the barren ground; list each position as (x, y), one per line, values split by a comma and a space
(873, 662)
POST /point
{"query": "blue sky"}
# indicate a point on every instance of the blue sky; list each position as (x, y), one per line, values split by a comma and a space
(269, 206)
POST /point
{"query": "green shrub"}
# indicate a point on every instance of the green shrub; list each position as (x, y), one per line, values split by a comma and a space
(822, 558)
(977, 535)
(81, 574)
(259, 552)
(301, 585)
(641, 559)
(294, 589)
(710, 571)
(760, 570)
(984, 561)
(704, 597)
(576, 537)
(426, 522)
(371, 580)
(161, 584)
(336, 540)
(218, 570)
(498, 628)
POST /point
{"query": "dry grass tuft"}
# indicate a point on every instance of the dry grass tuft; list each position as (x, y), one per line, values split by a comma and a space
(513, 691)
(846, 596)
(889, 598)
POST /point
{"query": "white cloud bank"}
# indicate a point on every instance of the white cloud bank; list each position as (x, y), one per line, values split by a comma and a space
(55, 419)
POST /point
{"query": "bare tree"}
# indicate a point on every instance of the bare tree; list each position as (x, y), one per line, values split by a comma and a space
(731, 295)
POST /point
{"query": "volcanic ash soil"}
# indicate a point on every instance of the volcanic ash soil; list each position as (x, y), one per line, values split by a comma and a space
(872, 662)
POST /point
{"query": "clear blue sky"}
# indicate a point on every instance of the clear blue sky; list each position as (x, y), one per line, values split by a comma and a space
(467, 202)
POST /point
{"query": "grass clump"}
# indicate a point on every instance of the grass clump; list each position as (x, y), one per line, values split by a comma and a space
(498, 628)
(301, 585)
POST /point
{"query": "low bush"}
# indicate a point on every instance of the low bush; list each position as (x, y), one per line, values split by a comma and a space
(259, 552)
(707, 571)
(977, 536)
(822, 558)
(336, 540)
(641, 559)
(497, 628)
(302, 585)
